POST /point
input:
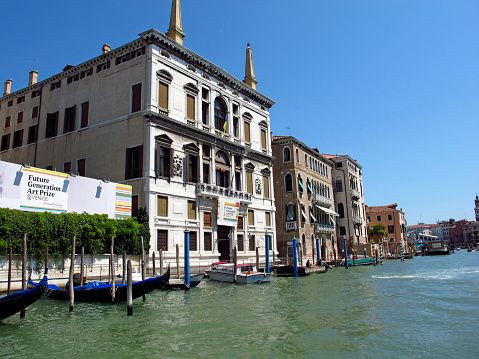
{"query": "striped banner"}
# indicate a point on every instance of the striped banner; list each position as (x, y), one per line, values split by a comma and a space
(123, 201)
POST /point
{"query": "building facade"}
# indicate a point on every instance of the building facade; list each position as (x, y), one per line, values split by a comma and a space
(393, 220)
(181, 131)
(349, 200)
(303, 187)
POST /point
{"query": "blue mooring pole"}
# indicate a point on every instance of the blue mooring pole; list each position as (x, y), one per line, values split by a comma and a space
(266, 246)
(317, 251)
(187, 259)
(345, 254)
(295, 256)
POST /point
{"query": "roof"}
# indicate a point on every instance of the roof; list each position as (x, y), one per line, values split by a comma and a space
(382, 209)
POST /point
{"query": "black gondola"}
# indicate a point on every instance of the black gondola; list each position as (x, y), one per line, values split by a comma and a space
(101, 292)
(15, 302)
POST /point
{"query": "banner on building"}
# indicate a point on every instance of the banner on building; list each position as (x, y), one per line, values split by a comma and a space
(39, 190)
(228, 212)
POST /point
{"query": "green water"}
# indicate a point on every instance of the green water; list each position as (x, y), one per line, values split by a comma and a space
(427, 307)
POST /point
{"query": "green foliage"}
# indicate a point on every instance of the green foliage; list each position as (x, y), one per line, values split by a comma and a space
(55, 231)
(378, 229)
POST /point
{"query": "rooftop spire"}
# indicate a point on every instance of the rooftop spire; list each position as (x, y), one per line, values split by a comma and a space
(175, 32)
(249, 78)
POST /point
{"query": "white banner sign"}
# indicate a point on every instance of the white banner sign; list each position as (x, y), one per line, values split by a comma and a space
(228, 211)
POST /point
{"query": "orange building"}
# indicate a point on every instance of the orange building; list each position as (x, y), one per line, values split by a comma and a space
(393, 220)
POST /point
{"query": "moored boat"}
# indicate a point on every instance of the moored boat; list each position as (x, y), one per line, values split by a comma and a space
(245, 274)
(15, 302)
(101, 292)
(172, 283)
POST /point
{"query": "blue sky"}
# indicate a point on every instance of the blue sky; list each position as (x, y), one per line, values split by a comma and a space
(392, 83)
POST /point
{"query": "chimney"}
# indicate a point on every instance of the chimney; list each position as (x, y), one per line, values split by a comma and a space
(32, 79)
(106, 48)
(8, 87)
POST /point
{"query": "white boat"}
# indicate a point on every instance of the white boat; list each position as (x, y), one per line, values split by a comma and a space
(245, 273)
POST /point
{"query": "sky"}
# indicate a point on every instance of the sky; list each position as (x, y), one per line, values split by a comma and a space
(392, 83)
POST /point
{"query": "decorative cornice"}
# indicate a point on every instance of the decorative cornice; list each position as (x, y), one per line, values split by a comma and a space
(155, 37)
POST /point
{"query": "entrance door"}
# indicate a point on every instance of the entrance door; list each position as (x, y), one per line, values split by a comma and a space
(224, 243)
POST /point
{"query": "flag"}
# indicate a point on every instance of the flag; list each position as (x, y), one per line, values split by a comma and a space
(224, 126)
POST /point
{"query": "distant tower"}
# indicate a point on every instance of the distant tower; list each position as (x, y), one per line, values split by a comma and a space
(249, 78)
(477, 208)
(175, 32)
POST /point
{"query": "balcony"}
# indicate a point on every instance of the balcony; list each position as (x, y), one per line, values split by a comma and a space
(211, 190)
(322, 200)
(324, 228)
(355, 195)
(291, 226)
(357, 220)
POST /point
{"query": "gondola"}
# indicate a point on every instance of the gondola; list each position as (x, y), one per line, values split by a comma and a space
(15, 302)
(195, 279)
(101, 292)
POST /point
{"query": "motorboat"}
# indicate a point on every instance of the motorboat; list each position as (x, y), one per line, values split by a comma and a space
(245, 273)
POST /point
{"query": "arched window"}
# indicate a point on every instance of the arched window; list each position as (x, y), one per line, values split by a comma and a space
(306, 160)
(288, 181)
(286, 154)
(222, 164)
(341, 210)
(220, 114)
(297, 156)
(290, 212)
(300, 183)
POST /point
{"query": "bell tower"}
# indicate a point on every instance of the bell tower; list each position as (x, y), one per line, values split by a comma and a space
(477, 208)
(175, 32)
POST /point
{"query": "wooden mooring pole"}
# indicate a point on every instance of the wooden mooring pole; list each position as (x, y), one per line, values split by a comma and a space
(178, 260)
(10, 259)
(72, 267)
(82, 261)
(24, 270)
(129, 290)
(161, 261)
(112, 263)
(143, 266)
(123, 279)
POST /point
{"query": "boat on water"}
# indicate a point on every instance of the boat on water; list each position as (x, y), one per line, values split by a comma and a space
(360, 262)
(172, 283)
(15, 302)
(101, 292)
(245, 273)
(435, 245)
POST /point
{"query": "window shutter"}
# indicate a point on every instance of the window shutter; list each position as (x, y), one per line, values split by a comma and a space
(163, 96)
(190, 107)
(136, 98)
(246, 132)
(85, 108)
(249, 182)
(128, 164)
(263, 139)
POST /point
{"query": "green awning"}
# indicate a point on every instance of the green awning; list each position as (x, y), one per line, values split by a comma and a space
(327, 210)
(309, 188)
(301, 184)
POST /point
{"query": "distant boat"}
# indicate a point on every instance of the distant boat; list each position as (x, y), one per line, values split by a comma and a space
(15, 302)
(360, 262)
(172, 283)
(101, 292)
(245, 274)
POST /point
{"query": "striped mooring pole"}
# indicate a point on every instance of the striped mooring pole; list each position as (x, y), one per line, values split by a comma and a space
(381, 252)
(401, 249)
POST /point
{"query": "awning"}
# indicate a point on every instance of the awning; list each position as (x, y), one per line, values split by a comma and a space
(309, 188)
(301, 184)
(312, 215)
(327, 210)
(304, 214)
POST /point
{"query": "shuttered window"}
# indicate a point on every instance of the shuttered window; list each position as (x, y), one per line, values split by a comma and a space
(191, 209)
(193, 241)
(249, 182)
(240, 222)
(247, 136)
(190, 107)
(35, 112)
(162, 206)
(136, 98)
(251, 217)
(81, 167)
(266, 186)
(85, 108)
(207, 219)
(20, 117)
(263, 139)
(240, 243)
(252, 244)
(162, 239)
(207, 241)
(268, 219)
(163, 96)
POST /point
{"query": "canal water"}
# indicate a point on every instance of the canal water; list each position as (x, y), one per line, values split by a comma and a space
(426, 307)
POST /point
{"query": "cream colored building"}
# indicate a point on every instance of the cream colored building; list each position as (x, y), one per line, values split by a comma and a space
(159, 117)
(349, 200)
(303, 186)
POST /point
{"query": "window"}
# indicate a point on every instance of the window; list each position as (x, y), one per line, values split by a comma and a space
(341, 210)
(268, 219)
(263, 139)
(220, 115)
(162, 210)
(249, 182)
(238, 181)
(73, 78)
(247, 136)
(266, 187)
(5, 142)
(162, 239)
(240, 223)
(20, 117)
(20, 99)
(34, 112)
(17, 139)
(10, 103)
(7, 121)
(306, 160)
(312, 217)
(286, 154)
(251, 217)
(369, 219)
(136, 98)
(205, 109)
(69, 122)
(134, 205)
(206, 173)
(163, 95)
(298, 160)
(339, 164)
(134, 162)
(67, 167)
(207, 219)
(102, 67)
(81, 167)
(192, 168)
(85, 108)
(235, 127)
(86, 73)
(193, 242)
(303, 214)
(190, 107)
(52, 125)
(390, 218)
(308, 187)
(379, 218)
(163, 159)
(339, 186)
(191, 209)
(222, 169)
(35, 93)
(290, 212)
(55, 85)
(32, 134)
(207, 241)
(288, 181)
(391, 229)
(300, 184)
(240, 243)
(342, 231)
(252, 244)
